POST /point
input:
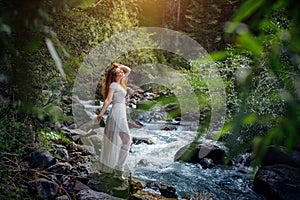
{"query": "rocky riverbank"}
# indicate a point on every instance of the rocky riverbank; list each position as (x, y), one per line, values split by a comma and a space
(69, 170)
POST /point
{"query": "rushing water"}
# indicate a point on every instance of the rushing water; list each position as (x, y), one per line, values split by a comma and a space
(156, 163)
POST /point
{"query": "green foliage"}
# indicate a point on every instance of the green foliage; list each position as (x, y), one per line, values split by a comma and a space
(48, 138)
(170, 103)
(199, 87)
(270, 91)
(205, 22)
(258, 110)
(14, 137)
(166, 101)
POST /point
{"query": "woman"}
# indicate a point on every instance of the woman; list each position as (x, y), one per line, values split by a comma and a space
(116, 139)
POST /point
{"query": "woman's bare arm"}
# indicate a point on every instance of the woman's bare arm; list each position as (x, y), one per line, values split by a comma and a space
(107, 101)
(125, 68)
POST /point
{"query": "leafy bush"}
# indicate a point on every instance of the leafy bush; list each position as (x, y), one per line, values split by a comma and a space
(48, 138)
(14, 139)
(268, 95)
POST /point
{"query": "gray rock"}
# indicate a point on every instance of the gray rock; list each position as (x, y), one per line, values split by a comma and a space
(62, 153)
(82, 116)
(41, 159)
(112, 184)
(134, 124)
(46, 189)
(72, 126)
(64, 197)
(80, 186)
(67, 182)
(91, 141)
(93, 195)
(60, 168)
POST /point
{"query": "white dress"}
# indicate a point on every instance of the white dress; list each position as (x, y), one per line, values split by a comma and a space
(114, 149)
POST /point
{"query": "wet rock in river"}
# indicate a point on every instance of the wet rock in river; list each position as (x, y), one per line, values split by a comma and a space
(169, 128)
(134, 124)
(200, 196)
(206, 154)
(164, 189)
(278, 181)
(138, 141)
(278, 177)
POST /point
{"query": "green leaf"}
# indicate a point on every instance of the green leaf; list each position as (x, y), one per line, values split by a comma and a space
(250, 43)
(218, 55)
(226, 129)
(34, 44)
(250, 119)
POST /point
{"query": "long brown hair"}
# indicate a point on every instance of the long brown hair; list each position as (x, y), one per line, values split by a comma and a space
(109, 78)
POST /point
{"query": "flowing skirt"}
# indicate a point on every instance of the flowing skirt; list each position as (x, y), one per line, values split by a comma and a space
(115, 148)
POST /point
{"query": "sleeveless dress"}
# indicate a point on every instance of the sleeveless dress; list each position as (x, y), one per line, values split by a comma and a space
(114, 152)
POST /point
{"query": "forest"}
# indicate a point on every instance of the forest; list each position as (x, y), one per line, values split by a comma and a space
(224, 75)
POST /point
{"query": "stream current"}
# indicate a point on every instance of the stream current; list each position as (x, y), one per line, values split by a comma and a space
(155, 162)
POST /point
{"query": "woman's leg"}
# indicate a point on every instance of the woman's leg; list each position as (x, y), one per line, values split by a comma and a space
(124, 150)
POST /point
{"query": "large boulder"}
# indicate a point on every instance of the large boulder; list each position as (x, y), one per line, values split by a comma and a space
(278, 177)
(82, 118)
(279, 181)
(206, 154)
(279, 155)
(111, 184)
(92, 141)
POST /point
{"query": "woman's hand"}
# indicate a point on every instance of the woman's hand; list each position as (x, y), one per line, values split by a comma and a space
(124, 68)
(116, 65)
(99, 118)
